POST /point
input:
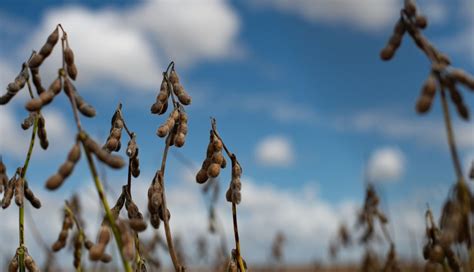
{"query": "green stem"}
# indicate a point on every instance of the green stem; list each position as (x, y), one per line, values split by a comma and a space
(21, 220)
(108, 214)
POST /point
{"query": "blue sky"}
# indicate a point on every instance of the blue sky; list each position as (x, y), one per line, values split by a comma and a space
(298, 90)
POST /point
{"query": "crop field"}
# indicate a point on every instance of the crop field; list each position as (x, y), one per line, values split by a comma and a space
(148, 170)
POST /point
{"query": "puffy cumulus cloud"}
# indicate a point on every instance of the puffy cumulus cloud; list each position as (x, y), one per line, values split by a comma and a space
(367, 15)
(104, 46)
(190, 30)
(127, 45)
(386, 164)
(275, 151)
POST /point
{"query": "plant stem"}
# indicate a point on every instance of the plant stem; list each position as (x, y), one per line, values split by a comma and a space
(234, 206)
(169, 237)
(450, 134)
(21, 220)
(237, 241)
(105, 204)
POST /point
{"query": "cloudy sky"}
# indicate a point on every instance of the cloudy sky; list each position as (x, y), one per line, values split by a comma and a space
(299, 93)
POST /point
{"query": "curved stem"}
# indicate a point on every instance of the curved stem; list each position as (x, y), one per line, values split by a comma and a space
(105, 204)
(169, 237)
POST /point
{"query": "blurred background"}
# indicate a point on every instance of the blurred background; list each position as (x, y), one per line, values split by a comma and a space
(299, 93)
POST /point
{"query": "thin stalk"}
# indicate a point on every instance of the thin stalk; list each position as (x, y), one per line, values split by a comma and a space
(234, 206)
(164, 208)
(92, 167)
(237, 240)
(450, 134)
(105, 204)
(21, 220)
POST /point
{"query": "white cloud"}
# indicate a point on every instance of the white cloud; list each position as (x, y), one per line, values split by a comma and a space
(435, 11)
(275, 151)
(132, 46)
(424, 131)
(190, 30)
(104, 47)
(462, 40)
(386, 164)
(368, 15)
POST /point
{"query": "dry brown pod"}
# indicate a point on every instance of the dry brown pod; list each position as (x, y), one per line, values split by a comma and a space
(13, 265)
(115, 134)
(111, 160)
(44, 143)
(97, 250)
(37, 80)
(30, 264)
(161, 104)
(7, 197)
(29, 121)
(30, 196)
(66, 168)
(19, 192)
(15, 86)
(3, 176)
(462, 77)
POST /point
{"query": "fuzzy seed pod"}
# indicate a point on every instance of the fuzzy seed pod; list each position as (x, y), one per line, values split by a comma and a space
(13, 265)
(202, 176)
(161, 104)
(3, 176)
(155, 200)
(113, 140)
(7, 197)
(462, 77)
(429, 87)
(15, 86)
(37, 80)
(423, 104)
(97, 250)
(68, 56)
(138, 225)
(54, 182)
(421, 21)
(28, 121)
(113, 161)
(72, 71)
(410, 7)
(19, 192)
(106, 258)
(127, 240)
(132, 210)
(30, 196)
(42, 132)
(457, 99)
(168, 126)
(88, 244)
(233, 194)
(387, 53)
(30, 263)
(47, 48)
(46, 97)
(213, 170)
(35, 61)
(86, 109)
